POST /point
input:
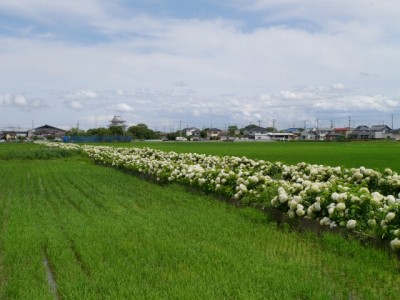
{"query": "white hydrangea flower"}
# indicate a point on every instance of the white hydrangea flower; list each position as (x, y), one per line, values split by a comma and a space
(395, 244)
(390, 216)
(335, 196)
(331, 209)
(300, 212)
(316, 206)
(325, 221)
(292, 204)
(341, 206)
(243, 188)
(283, 197)
(391, 200)
(351, 224)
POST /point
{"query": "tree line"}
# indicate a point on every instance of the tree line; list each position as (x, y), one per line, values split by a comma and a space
(139, 131)
(143, 132)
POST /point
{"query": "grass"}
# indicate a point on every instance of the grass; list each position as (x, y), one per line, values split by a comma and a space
(370, 154)
(109, 235)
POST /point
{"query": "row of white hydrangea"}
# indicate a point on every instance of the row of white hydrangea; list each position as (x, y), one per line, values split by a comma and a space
(357, 198)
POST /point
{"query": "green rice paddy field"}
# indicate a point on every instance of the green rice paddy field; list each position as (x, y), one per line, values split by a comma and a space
(70, 229)
(370, 154)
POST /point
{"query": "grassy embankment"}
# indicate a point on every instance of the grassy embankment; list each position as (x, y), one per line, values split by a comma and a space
(106, 234)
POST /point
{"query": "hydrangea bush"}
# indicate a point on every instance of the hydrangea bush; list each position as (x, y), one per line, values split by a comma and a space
(354, 198)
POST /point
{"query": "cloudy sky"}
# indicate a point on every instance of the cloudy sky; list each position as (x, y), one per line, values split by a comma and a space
(171, 63)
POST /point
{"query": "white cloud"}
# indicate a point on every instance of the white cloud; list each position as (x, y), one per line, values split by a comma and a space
(338, 86)
(275, 70)
(121, 107)
(98, 120)
(75, 104)
(20, 102)
(82, 95)
(45, 10)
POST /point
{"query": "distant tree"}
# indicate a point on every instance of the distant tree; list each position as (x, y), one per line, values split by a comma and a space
(270, 129)
(116, 130)
(142, 132)
(171, 136)
(203, 133)
(250, 127)
(75, 131)
(99, 131)
(233, 130)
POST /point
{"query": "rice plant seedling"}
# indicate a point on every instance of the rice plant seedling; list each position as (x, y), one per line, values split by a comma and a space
(103, 234)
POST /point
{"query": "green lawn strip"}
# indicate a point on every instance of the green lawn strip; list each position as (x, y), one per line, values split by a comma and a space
(143, 240)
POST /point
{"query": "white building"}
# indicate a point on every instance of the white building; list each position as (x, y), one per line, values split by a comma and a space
(274, 136)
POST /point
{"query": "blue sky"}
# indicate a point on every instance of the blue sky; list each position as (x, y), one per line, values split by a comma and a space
(202, 63)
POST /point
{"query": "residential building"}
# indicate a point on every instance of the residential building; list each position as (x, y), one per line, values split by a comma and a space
(192, 132)
(274, 136)
(373, 132)
(315, 134)
(48, 131)
(342, 131)
(213, 133)
(12, 135)
(252, 130)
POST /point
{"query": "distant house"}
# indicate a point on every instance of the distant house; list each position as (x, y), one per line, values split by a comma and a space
(213, 133)
(224, 136)
(192, 132)
(396, 134)
(334, 137)
(361, 132)
(381, 131)
(373, 132)
(292, 130)
(252, 130)
(342, 131)
(274, 136)
(315, 134)
(12, 135)
(48, 131)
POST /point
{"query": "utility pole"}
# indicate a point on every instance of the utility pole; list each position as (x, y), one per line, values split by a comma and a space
(349, 122)
(392, 121)
(273, 124)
